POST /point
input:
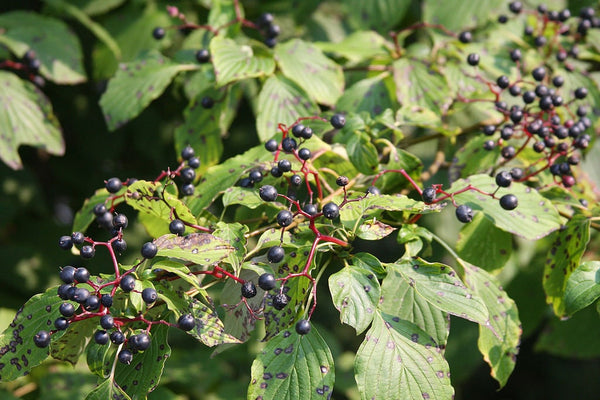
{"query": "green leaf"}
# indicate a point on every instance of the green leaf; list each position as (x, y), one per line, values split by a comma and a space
(293, 366)
(491, 253)
(472, 158)
(281, 101)
(153, 198)
(18, 353)
(458, 15)
(233, 233)
(400, 361)
(199, 248)
(563, 258)
(379, 15)
(94, 7)
(144, 372)
(499, 350)
(239, 195)
(374, 230)
(355, 293)
(363, 154)
(401, 299)
(305, 64)
(209, 329)
(371, 95)
(26, 117)
(439, 285)
(176, 268)
(419, 87)
(100, 357)
(534, 217)
(234, 61)
(108, 389)
(358, 46)
(63, 385)
(54, 44)
(583, 287)
(71, 345)
(135, 85)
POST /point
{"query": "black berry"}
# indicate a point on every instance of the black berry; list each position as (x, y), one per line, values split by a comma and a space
(149, 295)
(255, 176)
(297, 130)
(82, 275)
(42, 339)
(304, 153)
(88, 252)
(473, 59)
(302, 327)
(275, 254)
(266, 282)
(429, 195)
(503, 179)
(248, 289)
(177, 227)
(285, 218)
(465, 37)
(125, 356)
(581, 93)
(187, 152)
(509, 202)
(117, 337)
(149, 250)
(284, 165)
(113, 185)
(271, 145)
(338, 121)
(207, 102)
(280, 301)
(92, 303)
(66, 310)
(289, 144)
(67, 274)
(310, 209)
(186, 322)
(81, 295)
(140, 342)
(65, 242)
(101, 337)
(296, 180)
(373, 190)
(107, 321)
(268, 193)
(331, 210)
(106, 300)
(342, 180)
(127, 283)
(120, 221)
(203, 56)
(77, 237)
(464, 213)
(158, 33)
(187, 174)
(61, 323)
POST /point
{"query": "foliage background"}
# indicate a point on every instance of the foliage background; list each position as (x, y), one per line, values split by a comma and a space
(37, 204)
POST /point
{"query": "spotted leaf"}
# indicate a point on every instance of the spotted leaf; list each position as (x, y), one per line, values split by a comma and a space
(563, 258)
(135, 85)
(235, 61)
(583, 287)
(378, 15)
(534, 217)
(499, 350)
(199, 248)
(71, 345)
(100, 357)
(397, 360)
(293, 366)
(18, 353)
(457, 14)
(108, 389)
(355, 293)
(371, 95)
(209, 329)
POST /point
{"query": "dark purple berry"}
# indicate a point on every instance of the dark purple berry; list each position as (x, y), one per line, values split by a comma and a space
(113, 185)
(203, 56)
(508, 152)
(77, 238)
(61, 323)
(42, 339)
(268, 193)
(149, 295)
(63, 290)
(117, 337)
(296, 180)
(65, 242)
(177, 227)
(158, 33)
(338, 121)
(127, 283)
(139, 342)
(106, 300)
(80, 295)
(255, 176)
(465, 37)
(280, 301)
(464, 213)
(331, 210)
(101, 337)
(187, 152)
(581, 93)
(503, 179)
(502, 82)
(271, 145)
(307, 132)
(66, 310)
(284, 165)
(187, 175)
(149, 250)
(289, 144)
(186, 322)
(302, 327)
(125, 356)
(92, 303)
(81, 275)
(310, 209)
(285, 218)
(275, 254)
(373, 190)
(509, 202)
(107, 321)
(207, 102)
(248, 289)
(429, 194)
(266, 282)
(67, 274)
(87, 252)
(516, 173)
(473, 59)
(297, 130)
(304, 154)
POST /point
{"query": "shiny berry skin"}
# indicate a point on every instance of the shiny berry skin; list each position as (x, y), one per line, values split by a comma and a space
(296, 180)
(310, 209)
(503, 179)
(489, 145)
(502, 82)
(203, 56)
(265, 20)
(188, 189)
(125, 356)
(304, 154)
(82, 275)
(101, 337)
(272, 31)
(186, 322)
(65, 242)
(67, 274)
(342, 180)
(66, 310)
(61, 323)
(331, 210)
(516, 174)
(275, 254)
(489, 130)
(373, 190)
(428, 195)
(158, 33)
(464, 213)
(87, 252)
(266, 282)
(177, 227)
(149, 295)
(289, 144)
(120, 221)
(540, 41)
(77, 237)
(515, 55)
(280, 301)
(113, 185)
(105, 220)
(473, 59)
(271, 145)
(297, 130)
(187, 175)
(99, 209)
(106, 300)
(248, 289)
(581, 93)
(538, 73)
(92, 303)
(307, 132)
(127, 283)
(42, 339)
(140, 342)
(255, 176)
(63, 290)
(107, 321)
(337, 121)
(285, 218)
(268, 193)
(508, 152)
(194, 162)
(246, 183)
(509, 202)
(81, 295)
(284, 165)
(117, 337)
(465, 37)
(302, 327)
(187, 152)
(149, 250)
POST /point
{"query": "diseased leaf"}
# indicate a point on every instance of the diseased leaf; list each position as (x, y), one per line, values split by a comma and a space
(176, 268)
(500, 350)
(234, 61)
(457, 14)
(209, 328)
(419, 87)
(374, 230)
(563, 258)
(18, 353)
(362, 153)
(400, 361)
(491, 253)
(358, 46)
(534, 217)
(71, 345)
(144, 372)
(355, 293)
(135, 85)
(199, 248)
(305, 64)
(246, 197)
(583, 287)
(293, 366)
(233, 233)
(371, 95)
(379, 15)
(108, 389)
(26, 117)
(54, 44)
(100, 357)
(281, 101)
